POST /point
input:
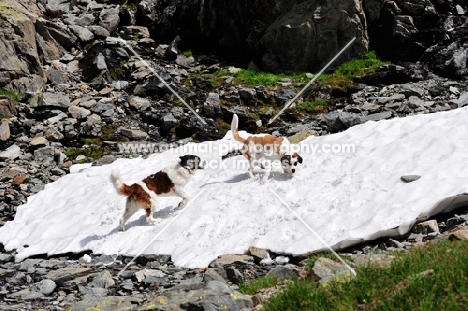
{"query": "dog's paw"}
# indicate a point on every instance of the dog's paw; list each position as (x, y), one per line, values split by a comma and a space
(181, 205)
(153, 221)
(122, 228)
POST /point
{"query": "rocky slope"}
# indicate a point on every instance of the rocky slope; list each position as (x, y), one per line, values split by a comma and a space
(82, 90)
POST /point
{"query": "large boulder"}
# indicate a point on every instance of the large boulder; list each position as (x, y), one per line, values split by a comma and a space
(27, 42)
(309, 35)
(278, 35)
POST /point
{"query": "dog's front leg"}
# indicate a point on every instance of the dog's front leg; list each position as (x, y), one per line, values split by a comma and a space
(181, 193)
(265, 177)
(149, 213)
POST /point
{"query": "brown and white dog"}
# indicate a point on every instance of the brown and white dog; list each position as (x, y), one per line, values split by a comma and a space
(266, 147)
(168, 182)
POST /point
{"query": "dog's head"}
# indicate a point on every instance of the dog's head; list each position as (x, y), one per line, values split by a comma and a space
(191, 162)
(289, 162)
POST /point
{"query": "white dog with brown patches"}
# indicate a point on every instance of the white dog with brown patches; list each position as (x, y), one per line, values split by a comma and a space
(264, 149)
(168, 182)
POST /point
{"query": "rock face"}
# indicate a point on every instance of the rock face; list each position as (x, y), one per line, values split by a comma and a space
(311, 33)
(277, 34)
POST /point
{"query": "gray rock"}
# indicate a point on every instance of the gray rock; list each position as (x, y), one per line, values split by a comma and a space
(412, 90)
(56, 77)
(394, 106)
(78, 112)
(462, 101)
(282, 273)
(146, 273)
(11, 153)
(56, 118)
(62, 275)
(284, 95)
(4, 131)
(410, 178)
(257, 253)
(415, 102)
(212, 106)
(168, 121)
(212, 295)
(364, 260)
(212, 274)
(349, 119)
(7, 106)
(53, 100)
(426, 227)
(109, 18)
(100, 63)
(83, 20)
(57, 7)
(371, 107)
(139, 103)
(45, 287)
(332, 119)
(325, 270)
(44, 154)
(376, 116)
(99, 31)
(226, 260)
(247, 94)
(185, 61)
(109, 303)
(385, 100)
(134, 134)
(82, 33)
(102, 280)
(102, 107)
(26, 294)
(53, 134)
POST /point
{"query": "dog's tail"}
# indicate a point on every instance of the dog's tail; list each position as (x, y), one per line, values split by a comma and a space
(234, 129)
(121, 188)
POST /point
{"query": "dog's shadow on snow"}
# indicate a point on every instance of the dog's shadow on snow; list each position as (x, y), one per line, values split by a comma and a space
(233, 180)
(277, 176)
(139, 222)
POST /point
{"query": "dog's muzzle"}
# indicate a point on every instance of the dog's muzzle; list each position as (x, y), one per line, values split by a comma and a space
(202, 164)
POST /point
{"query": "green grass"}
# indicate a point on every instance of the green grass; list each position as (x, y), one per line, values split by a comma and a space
(398, 287)
(346, 72)
(12, 94)
(341, 78)
(255, 285)
(187, 53)
(313, 106)
(254, 78)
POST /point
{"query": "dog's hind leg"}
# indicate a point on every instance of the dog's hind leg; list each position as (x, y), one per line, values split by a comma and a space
(131, 207)
(265, 177)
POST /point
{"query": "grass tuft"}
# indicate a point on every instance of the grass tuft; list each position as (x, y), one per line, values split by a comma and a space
(12, 94)
(255, 285)
(433, 277)
(313, 106)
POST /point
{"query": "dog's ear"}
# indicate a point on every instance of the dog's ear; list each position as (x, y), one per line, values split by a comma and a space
(285, 160)
(299, 158)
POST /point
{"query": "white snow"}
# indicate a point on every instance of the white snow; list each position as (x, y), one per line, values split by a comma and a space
(344, 197)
